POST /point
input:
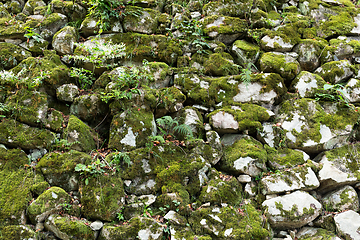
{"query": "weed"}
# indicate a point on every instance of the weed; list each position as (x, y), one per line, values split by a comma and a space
(84, 78)
(92, 170)
(245, 74)
(169, 126)
(334, 93)
(31, 34)
(100, 53)
(147, 211)
(120, 214)
(126, 84)
(121, 157)
(65, 206)
(4, 109)
(62, 144)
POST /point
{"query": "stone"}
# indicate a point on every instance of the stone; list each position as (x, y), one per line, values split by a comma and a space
(245, 156)
(348, 224)
(307, 84)
(47, 203)
(352, 90)
(302, 128)
(292, 211)
(79, 135)
(96, 225)
(298, 178)
(276, 44)
(284, 64)
(337, 168)
(342, 199)
(130, 130)
(309, 58)
(244, 178)
(245, 52)
(67, 92)
(223, 122)
(146, 21)
(311, 233)
(335, 71)
(89, 107)
(65, 228)
(64, 40)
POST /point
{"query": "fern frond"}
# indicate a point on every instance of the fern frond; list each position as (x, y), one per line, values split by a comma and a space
(184, 130)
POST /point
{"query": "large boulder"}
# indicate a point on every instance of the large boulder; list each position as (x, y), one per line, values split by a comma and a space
(63, 41)
(342, 199)
(292, 211)
(340, 167)
(347, 224)
(131, 129)
(298, 178)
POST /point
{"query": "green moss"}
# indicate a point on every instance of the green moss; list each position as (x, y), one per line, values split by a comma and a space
(220, 64)
(150, 47)
(246, 222)
(273, 62)
(31, 106)
(17, 232)
(136, 123)
(332, 70)
(46, 201)
(16, 134)
(218, 191)
(103, 197)
(15, 194)
(249, 117)
(229, 25)
(75, 229)
(284, 157)
(80, 134)
(340, 24)
(12, 159)
(347, 156)
(58, 168)
(11, 55)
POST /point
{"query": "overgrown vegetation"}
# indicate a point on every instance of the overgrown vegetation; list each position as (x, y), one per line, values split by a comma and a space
(334, 93)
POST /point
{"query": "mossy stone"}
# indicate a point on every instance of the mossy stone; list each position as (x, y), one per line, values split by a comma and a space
(48, 200)
(17, 134)
(11, 55)
(58, 168)
(103, 197)
(80, 135)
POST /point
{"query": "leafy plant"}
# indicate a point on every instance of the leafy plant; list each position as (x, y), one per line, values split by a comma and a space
(85, 78)
(120, 157)
(31, 34)
(334, 93)
(65, 206)
(147, 211)
(171, 126)
(3, 110)
(126, 84)
(120, 214)
(92, 170)
(245, 74)
(62, 144)
(99, 52)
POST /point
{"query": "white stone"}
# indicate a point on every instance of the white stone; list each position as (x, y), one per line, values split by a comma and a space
(348, 224)
(224, 122)
(294, 203)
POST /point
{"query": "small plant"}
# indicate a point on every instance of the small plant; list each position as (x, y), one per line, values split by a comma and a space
(100, 53)
(147, 211)
(120, 157)
(92, 170)
(63, 144)
(126, 84)
(31, 34)
(3, 110)
(120, 214)
(245, 74)
(65, 206)
(334, 93)
(169, 127)
(85, 78)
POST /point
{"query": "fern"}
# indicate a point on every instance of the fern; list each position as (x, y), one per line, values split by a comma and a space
(170, 126)
(245, 74)
(121, 157)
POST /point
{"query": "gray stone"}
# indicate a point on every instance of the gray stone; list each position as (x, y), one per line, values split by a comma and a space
(63, 40)
(348, 224)
(276, 43)
(67, 92)
(341, 200)
(298, 178)
(292, 211)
